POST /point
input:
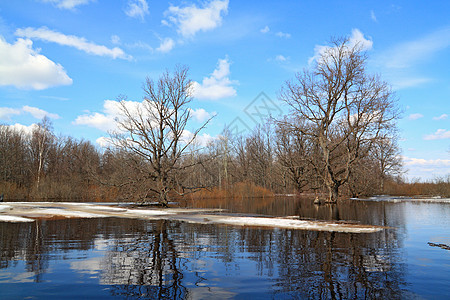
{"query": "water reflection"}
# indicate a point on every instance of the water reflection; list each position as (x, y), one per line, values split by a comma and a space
(175, 260)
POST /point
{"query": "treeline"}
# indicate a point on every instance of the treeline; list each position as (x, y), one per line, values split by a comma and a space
(270, 160)
(40, 165)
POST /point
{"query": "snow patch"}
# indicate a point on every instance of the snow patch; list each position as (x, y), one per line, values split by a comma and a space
(199, 216)
(294, 224)
(14, 219)
(4, 208)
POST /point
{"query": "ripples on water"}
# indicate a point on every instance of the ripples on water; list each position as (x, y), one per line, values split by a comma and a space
(126, 258)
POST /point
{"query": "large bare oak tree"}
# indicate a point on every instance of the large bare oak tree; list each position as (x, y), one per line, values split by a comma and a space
(156, 133)
(341, 108)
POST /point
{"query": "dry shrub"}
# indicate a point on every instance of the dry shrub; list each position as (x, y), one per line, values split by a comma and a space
(11, 191)
(439, 186)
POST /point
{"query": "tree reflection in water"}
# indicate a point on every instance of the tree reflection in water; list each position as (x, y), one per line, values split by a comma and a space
(175, 260)
(147, 265)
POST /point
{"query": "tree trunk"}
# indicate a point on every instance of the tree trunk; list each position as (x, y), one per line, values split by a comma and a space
(333, 192)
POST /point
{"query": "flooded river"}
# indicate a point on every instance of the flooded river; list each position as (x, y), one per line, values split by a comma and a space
(113, 257)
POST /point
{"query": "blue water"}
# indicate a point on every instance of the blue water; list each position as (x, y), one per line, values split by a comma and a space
(125, 258)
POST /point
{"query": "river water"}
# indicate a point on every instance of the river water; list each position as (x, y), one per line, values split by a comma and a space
(163, 259)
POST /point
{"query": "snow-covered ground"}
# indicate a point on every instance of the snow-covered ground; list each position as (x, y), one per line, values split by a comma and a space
(29, 211)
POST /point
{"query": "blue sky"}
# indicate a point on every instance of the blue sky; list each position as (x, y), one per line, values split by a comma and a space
(71, 59)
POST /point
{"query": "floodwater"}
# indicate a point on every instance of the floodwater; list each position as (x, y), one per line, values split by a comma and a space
(171, 259)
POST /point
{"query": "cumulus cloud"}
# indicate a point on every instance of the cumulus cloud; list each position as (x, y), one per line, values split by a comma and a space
(22, 128)
(441, 117)
(356, 38)
(104, 121)
(166, 45)
(440, 134)
(413, 117)
(23, 67)
(39, 113)
(200, 114)
(218, 85)
(192, 19)
(107, 120)
(67, 4)
(6, 112)
(265, 29)
(79, 43)
(200, 140)
(137, 9)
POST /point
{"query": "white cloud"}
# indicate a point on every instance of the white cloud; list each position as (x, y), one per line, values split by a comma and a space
(265, 29)
(407, 54)
(67, 4)
(372, 16)
(22, 128)
(200, 114)
(191, 19)
(283, 35)
(218, 85)
(200, 140)
(413, 117)
(166, 45)
(104, 142)
(440, 134)
(103, 121)
(106, 121)
(441, 117)
(39, 113)
(137, 9)
(6, 113)
(280, 58)
(23, 67)
(356, 38)
(426, 168)
(79, 43)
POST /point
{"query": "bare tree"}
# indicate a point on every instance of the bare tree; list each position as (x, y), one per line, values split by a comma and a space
(41, 141)
(294, 152)
(386, 153)
(156, 133)
(344, 108)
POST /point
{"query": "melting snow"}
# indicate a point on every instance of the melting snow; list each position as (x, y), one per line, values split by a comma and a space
(27, 211)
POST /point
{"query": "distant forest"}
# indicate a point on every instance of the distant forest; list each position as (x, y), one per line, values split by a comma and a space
(339, 139)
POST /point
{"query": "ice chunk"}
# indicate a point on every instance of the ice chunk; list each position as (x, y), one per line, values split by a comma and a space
(294, 224)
